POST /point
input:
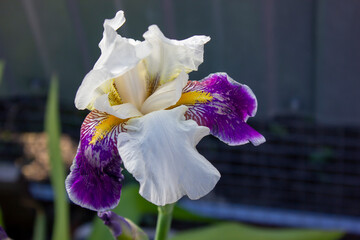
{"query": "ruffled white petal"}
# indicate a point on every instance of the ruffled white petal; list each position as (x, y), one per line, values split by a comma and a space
(109, 35)
(170, 57)
(123, 111)
(166, 95)
(158, 149)
(90, 89)
(118, 56)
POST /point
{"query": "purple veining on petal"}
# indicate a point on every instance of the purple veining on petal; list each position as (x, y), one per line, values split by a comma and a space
(226, 114)
(95, 180)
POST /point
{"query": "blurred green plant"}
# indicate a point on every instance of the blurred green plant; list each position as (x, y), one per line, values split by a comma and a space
(40, 226)
(233, 231)
(133, 206)
(2, 69)
(100, 231)
(57, 177)
(1, 218)
(278, 130)
(321, 155)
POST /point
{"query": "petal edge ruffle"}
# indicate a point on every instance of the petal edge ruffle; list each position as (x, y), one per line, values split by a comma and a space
(170, 57)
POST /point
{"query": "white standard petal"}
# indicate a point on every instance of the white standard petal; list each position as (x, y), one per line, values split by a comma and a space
(166, 95)
(89, 89)
(118, 56)
(131, 86)
(123, 111)
(170, 57)
(109, 34)
(158, 149)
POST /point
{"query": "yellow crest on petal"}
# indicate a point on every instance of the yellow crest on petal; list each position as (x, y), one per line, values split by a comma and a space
(114, 97)
(193, 97)
(105, 126)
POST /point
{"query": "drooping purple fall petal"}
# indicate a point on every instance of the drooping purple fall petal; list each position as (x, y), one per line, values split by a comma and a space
(223, 105)
(95, 180)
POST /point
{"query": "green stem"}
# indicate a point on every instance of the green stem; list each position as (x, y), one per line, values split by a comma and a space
(164, 221)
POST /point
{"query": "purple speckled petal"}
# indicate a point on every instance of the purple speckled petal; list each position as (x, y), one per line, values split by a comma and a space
(223, 105)
(122, 226)
(95, 180)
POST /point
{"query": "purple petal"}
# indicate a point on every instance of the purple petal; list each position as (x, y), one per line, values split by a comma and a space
(122, 226)
(223, 105)
(3, 235)
(95, 180)
(113, 221)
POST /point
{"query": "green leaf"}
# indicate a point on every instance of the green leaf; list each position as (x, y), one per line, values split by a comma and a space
(234, 231)
(52, 127)
(40, 226)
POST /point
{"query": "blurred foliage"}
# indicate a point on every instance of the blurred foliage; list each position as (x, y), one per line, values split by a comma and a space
(321, 155)
(100, 231)
(133, 206)
(52, 128)
(131, 231)
(278, 130)
(235, 231)
(2, 69)
(1, 219)
(40, 226)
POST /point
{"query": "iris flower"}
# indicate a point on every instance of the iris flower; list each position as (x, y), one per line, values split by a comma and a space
(146, 115)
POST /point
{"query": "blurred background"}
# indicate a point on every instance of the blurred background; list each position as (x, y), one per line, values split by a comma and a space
(300, 57)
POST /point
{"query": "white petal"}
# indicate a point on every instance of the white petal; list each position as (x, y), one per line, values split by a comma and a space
(131, 86)
(170, 57)
(109, 25)
(158, 149)
(166, 95)
(89, 89)
(118, 56)
(123, 111)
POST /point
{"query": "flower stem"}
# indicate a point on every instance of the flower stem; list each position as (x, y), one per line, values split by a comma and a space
(164, 221)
